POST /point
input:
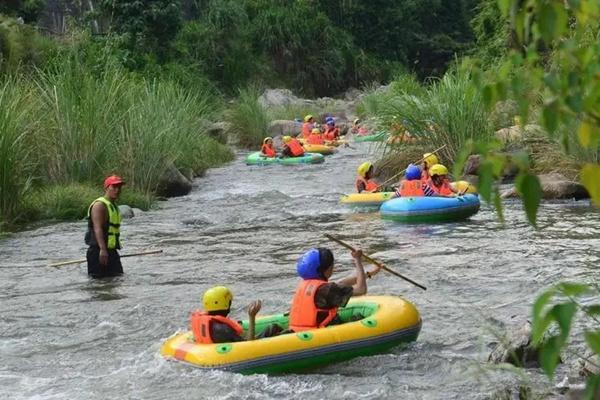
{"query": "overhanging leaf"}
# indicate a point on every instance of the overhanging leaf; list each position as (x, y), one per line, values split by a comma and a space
(589, 135)
(573, 289)
(540, 323)
(486, 179)
(530, 189)
(550, 354)
(590, 178)
(563, 314)
(592, 338)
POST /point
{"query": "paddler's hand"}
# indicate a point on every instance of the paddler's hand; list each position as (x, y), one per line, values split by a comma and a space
(254, 308)
(103, 257)
(357, 254)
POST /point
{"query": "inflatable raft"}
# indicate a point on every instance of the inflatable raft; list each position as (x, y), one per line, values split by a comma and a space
(366, 199)
(308, 158)
(319, 148)
(376, 137)
(430, 209)
(385, 322)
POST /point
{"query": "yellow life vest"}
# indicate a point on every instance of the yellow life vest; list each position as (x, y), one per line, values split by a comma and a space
(111, 229)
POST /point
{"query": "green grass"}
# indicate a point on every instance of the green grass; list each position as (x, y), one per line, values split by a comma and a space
(449, 112)
(248, 120)
(18, 123)
(71, 201)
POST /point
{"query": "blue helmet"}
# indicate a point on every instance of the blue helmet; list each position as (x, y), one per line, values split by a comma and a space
(413, 172)
(308, 265)
(331, 122)
(328, 118)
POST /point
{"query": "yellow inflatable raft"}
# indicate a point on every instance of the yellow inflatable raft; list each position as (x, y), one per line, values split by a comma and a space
(464, 187)
(367, 199)
(319, 148)
(379, 323)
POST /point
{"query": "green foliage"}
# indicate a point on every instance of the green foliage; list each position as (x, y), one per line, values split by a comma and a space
(71, 201)
(18, 123)
(22, 47)
(29, 10)
(147, 27)
(247, 119)
(448, 112)
(492, 33)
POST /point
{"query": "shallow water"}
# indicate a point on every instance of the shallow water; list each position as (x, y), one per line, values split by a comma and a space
(64, 336)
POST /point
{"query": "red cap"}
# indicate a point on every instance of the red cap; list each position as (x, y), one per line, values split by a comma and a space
(113, 180)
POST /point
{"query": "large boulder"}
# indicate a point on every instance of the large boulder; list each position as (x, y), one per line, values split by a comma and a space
(217, 131)
(516, 348)
(277, 98)
(510, 134)
(173, 183)
(126, 211)
(555, 186)
(284, 127)
(474, 160)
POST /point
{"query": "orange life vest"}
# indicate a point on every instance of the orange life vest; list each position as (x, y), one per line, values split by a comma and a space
(412, 188)
(332, 133)
(268, 150)
(443, 190)
(200, 322)
(315, 139)
(295, 147)
(368, 184)
(307, 127)
(303, 315)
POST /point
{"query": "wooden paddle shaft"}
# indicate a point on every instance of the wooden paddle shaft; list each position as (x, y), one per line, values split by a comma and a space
(143, 253)
(375, 262)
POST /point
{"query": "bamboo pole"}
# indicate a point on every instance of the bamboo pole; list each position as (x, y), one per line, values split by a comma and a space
(142, 253)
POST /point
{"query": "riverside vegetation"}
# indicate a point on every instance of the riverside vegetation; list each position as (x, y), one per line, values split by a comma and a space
(135, 98)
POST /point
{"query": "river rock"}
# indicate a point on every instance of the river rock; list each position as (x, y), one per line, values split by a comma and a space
(137, 211)
(217, 130)
(126, 211)
(555, 186)
(173, 183)
(510, 134)
(285, 128)
(516, 348)
(472, 167)
(277, 98)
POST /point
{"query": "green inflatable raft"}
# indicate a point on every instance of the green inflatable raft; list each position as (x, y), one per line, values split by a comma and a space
(376, 137)
(308, 158)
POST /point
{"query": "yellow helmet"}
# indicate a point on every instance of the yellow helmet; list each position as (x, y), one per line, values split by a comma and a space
(267, 138)
(308, 118)
(364, 168)
(438, 169)
(430, 159)
(315, 130)
(286, 139)
(217, 299)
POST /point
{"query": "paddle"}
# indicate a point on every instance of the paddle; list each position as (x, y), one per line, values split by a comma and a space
(375, 262)
(143, 253)
(404, 170)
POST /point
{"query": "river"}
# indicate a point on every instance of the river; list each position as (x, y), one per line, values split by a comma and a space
(65, 336)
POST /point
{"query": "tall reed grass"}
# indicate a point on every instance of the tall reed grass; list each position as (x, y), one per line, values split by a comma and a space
(18, 122)
(449, 112)
(248, 120)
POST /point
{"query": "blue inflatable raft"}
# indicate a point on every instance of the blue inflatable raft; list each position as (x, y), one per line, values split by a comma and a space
(430, 209)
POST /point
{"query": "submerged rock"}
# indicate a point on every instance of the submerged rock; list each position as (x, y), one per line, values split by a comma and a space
(173, 183)
(126, 211)
(555, 186)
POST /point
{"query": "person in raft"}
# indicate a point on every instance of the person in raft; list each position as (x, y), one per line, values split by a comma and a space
(429, 159)
(437, 184)
(316, 137)
(317, 300)
(411, 185)
(292, 147)
(267, 149)
(213, 324)
(307, 126)
(364, 181)
(103, 231)
(332, 132)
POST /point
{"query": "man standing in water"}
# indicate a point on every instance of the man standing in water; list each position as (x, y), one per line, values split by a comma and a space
(102, 236)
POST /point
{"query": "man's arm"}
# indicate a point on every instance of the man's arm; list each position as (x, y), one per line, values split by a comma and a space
(99, 217)
(358, 280)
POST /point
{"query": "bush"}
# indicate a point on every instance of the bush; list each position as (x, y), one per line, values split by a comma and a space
(248, 120)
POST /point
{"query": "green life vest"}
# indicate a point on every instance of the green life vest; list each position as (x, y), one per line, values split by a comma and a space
(111, 228)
